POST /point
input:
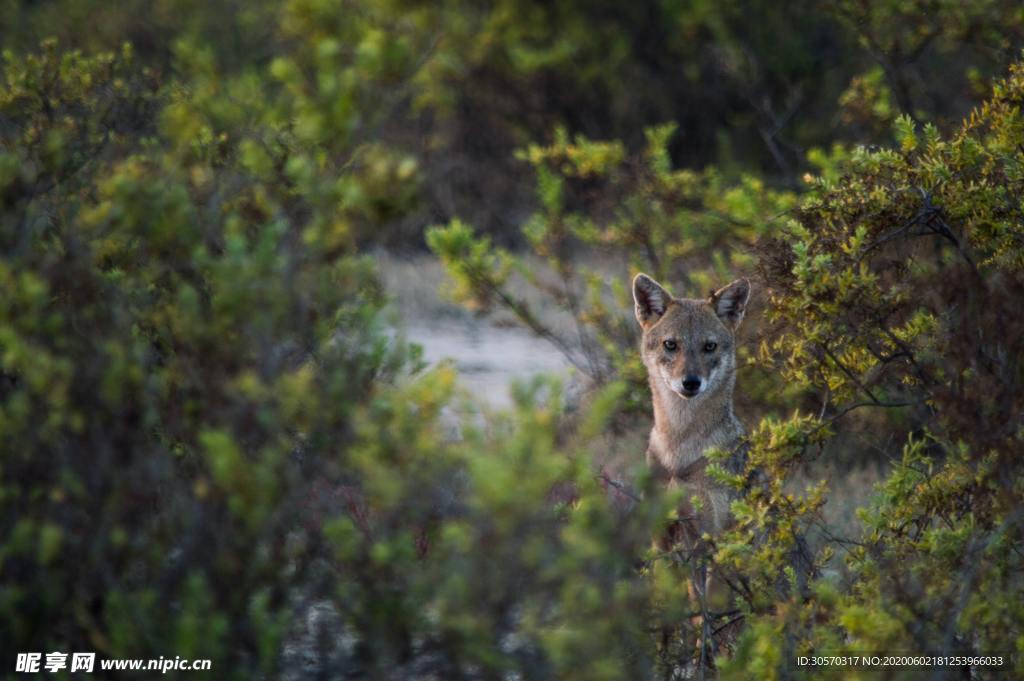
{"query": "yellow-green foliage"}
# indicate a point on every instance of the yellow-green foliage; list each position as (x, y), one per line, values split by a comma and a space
(898, 283)
(178, 332)
(207, 432)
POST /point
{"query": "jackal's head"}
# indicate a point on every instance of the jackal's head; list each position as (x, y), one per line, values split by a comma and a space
(690, 344)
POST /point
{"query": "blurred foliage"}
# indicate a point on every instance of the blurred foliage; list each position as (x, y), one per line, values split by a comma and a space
(176, 331)
(751, 86)
(211, 444)
(207, 432)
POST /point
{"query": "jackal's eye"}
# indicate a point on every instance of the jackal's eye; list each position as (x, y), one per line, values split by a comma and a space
(710, 346)
(670, 345)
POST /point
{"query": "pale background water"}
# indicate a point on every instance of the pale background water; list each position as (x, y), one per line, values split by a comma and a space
(488, 354)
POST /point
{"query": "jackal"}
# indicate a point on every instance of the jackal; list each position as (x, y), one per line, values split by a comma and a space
(689, 350)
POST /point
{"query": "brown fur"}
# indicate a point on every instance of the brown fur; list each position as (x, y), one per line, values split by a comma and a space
(688, 421)
(692, 379)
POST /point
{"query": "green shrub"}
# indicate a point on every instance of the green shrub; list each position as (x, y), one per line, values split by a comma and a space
(891, 294)
(208, 435)
(178, 327)
(899, 284)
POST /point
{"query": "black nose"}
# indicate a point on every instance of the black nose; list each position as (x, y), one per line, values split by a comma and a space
(691, 384)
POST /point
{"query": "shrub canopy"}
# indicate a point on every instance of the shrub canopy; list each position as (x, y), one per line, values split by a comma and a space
(214, 444)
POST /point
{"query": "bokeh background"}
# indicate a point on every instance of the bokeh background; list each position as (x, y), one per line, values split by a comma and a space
(317, 356)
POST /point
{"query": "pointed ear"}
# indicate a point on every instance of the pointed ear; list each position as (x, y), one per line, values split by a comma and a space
(650, 298)
(730, 302)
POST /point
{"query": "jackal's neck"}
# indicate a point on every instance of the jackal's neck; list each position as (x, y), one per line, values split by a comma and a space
(685, 428)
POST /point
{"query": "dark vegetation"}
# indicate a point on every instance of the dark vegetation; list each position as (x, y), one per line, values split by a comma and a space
(208, 431)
